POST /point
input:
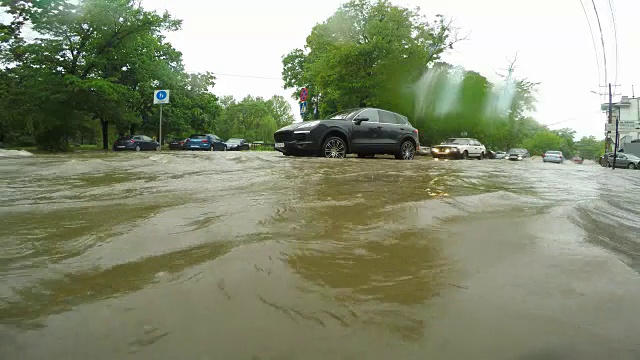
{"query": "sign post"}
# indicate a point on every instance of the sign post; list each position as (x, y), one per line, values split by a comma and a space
(304, 93)
(160, 97)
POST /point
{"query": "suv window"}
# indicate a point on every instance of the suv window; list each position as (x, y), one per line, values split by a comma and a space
(387, 117)
(401, 119)
(371, 114)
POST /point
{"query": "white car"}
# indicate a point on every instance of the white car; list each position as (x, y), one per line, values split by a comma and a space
(459, 148)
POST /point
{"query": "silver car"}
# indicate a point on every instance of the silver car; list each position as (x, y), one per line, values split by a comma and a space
(623, 160)
(553, 156)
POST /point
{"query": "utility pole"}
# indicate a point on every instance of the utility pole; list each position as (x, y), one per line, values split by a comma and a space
(607, 142)
(615, 149)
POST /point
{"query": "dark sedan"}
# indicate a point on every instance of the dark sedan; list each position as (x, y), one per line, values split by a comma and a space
(136, 143)
(177, 144)
(517, 154)
(363, 131)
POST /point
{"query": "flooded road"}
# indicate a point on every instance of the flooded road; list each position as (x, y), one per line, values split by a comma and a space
(254, 255)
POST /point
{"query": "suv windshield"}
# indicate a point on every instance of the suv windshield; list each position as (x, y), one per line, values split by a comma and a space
(342, 115)
(456, 141)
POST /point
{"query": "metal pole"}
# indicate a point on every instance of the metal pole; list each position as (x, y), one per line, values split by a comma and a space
(160, 137)
(615, 149)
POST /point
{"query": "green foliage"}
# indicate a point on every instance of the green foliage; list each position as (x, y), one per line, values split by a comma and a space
(363, 53)
(542, 141)
(590, 147)
(93, 67)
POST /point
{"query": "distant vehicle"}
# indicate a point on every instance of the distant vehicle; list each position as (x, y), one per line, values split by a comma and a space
(517, 154)
(459, 148)
(500, 155)
(177, 144)
(208, 142)
(237, 144)
(362, 131)
(489, 154)
(136, 143)
(553, 157)
(577, 160)
(628, 161)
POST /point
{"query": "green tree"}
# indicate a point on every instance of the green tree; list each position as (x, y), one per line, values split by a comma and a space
(589, 147)
(542, 141)
(366, 54)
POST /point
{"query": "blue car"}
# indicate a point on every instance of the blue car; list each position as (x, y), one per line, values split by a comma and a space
(208, 142)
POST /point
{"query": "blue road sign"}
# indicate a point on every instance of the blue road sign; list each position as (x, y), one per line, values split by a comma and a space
(303, 108)
(161, 97)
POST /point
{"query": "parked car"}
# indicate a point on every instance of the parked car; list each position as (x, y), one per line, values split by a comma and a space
(577, 160)
(207, 142)
(136, 143)
(459, 148)
(362, 131)
(517, 154)
(489, 154)
(604, 159)
(628, 161)
(177, 144)
(500, 155)
(553, 156)
(237, 144)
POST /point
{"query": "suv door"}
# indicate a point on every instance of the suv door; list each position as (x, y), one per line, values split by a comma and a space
(391, 132)
(367, 135)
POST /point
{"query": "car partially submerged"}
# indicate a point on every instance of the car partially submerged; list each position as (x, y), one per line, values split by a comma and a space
(362, 131)
(517, 154)
(553, 156)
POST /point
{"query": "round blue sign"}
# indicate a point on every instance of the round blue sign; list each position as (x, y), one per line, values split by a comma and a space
(161, 95)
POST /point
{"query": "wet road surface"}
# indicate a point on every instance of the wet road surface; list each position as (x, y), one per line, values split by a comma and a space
(254, 255)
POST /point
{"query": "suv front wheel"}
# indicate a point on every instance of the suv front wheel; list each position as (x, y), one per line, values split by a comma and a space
(334, 147)
(407, 151)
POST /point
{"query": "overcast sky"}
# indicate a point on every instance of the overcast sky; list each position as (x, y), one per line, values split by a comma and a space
(551, 37)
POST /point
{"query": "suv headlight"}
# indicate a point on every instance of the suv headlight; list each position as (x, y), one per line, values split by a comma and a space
(309, 124)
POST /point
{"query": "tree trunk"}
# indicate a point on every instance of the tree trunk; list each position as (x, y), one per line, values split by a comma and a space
(132, 129)
(105, 134)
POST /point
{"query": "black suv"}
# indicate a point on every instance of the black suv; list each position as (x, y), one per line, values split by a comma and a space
(363, 131)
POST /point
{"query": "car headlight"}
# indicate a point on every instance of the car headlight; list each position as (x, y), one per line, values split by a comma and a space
(309, 124)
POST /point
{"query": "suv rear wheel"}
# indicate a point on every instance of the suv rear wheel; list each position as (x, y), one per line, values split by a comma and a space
(407, 151)
(334, 147)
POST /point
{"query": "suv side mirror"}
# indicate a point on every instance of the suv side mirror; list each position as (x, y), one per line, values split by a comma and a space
(359, 121)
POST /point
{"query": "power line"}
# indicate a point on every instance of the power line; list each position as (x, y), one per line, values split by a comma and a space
(593, 40)
(615, 34)
(604, 49)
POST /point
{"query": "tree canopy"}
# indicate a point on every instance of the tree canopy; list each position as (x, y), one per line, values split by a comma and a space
(374, 53)
(96, 63)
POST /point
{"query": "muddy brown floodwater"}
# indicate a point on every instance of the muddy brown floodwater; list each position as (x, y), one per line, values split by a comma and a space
(254, 255)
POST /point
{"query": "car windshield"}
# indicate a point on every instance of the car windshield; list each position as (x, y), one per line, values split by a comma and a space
(234, 141)
(342, 115)
(553, 153)
(456, 141)
(198, 136)
(516, 151)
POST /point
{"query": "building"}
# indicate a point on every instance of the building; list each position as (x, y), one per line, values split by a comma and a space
(627, 110)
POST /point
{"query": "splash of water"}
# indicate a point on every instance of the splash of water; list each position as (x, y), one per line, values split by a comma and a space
(449, 98)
